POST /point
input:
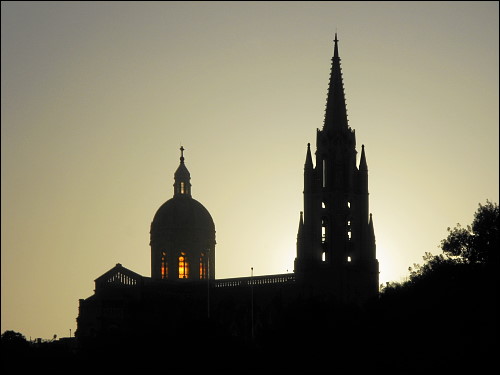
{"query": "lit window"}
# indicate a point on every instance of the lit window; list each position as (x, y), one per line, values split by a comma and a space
(183, 267)
(203, 266)
(348, 259)
(323, 256)
(323, 230)
(182, 188)
(164, 265)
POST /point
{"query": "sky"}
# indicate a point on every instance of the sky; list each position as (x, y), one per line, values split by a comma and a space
(97, 98)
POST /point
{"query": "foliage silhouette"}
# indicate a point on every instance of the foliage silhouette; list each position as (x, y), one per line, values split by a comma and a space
(477, 243)
(13, 338)
(13, 343)
(448, 306)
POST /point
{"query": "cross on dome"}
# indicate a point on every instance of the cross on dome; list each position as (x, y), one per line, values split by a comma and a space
(182, 154)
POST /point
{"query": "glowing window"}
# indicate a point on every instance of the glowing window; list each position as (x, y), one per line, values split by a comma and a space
(203, 266)
(183, 267)
(348, 259)
(164, 265)
(183, 190)
(323, 230)
(323, 256)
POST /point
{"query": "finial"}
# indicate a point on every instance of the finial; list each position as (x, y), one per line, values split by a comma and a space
(182, 154)
(335, 47)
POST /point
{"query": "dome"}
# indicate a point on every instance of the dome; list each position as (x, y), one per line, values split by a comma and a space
(182, 213)
(182, 234)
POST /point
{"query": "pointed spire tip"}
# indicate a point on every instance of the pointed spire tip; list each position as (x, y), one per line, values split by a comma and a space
(362, 162)
(336, 111)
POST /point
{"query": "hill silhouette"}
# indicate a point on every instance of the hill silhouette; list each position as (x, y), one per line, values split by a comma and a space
(443, 318)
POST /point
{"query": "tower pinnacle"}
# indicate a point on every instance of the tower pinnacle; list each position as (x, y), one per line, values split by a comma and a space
(308, 164)
(362, 161)
(336, 47)
(336, 112)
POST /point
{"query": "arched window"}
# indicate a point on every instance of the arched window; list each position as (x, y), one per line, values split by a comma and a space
(324, 224)
(183, 266)
(183, 189)
(203, 266)
(164, 265)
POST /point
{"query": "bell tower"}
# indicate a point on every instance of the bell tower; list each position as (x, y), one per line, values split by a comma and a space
(336, 241)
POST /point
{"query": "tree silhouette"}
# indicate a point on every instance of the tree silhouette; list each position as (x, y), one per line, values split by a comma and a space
(15, 349)
(448, 304)
(477, 243)
(13, 339)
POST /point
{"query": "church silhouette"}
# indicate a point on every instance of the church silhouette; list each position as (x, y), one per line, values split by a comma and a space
(335, 255)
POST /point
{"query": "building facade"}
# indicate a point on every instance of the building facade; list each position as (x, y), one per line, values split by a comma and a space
(336, 253)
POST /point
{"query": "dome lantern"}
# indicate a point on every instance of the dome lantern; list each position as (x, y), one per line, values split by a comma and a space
(182, 236)
(182, 177)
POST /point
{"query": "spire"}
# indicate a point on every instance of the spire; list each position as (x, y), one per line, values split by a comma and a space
(371, 230)
(301, 225)
(336, 47)
(308, 164)
(182, 186)
(336, 112)
(362, 162)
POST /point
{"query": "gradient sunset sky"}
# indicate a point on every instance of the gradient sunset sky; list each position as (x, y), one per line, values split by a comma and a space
(97, 98)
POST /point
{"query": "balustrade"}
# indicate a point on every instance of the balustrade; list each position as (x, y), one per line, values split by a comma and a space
(255, 281)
